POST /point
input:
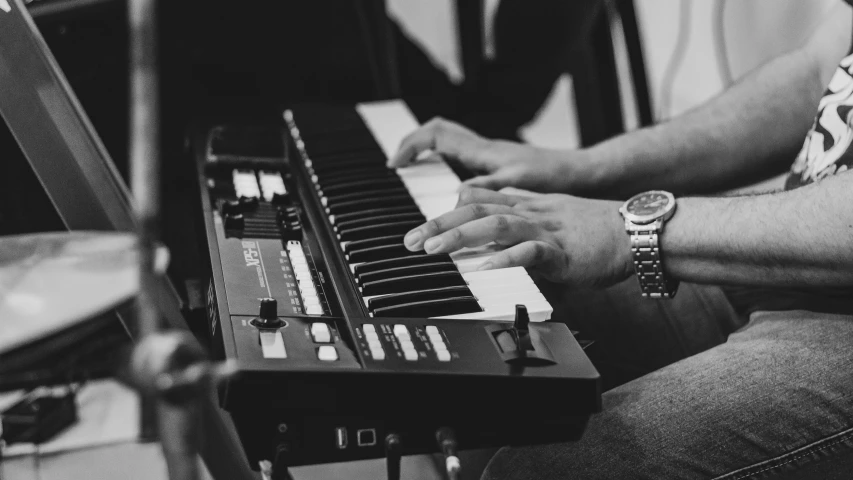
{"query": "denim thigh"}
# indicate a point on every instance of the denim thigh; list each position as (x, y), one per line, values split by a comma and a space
(775, 401)
(635, 335)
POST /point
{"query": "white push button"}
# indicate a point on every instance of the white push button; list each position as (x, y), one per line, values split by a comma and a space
(439, 347)
(272, 344)
(443, 355)
(410, 355)
(321, 333)
(432, 330)
(401, 331)
(314, 310)
(371, 336)
(407, 345)
(374, 343)
(368, 328)
(327, 353)
(378, 353)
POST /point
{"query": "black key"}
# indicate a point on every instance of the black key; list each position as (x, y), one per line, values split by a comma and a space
(373, 242)
(362, 185)
(412, 259)
(380, 230)
(407, 271)
(368, 203)
(376, 212)
(412, 282)
(331, 168)
(326, 179)
(366, 221)
(368, 156)
(431, 308)
(386, 301)
(385, 252)
(349, 197)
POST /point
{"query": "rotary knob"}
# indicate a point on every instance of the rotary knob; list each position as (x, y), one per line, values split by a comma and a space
(268, 314)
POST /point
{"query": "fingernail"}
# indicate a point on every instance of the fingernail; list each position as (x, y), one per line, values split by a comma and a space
(432, 244)
(485, 266)
(412, 239)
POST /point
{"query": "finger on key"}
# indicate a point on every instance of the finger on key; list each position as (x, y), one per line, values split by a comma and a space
(415, 238)
(437, 135)
(502, 229)
(531, 254)
(469, 195)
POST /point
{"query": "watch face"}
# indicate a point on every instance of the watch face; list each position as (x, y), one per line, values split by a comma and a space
(649, 206)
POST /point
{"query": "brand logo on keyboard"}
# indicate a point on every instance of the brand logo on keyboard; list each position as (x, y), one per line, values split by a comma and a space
(4, 5)
(251, 254)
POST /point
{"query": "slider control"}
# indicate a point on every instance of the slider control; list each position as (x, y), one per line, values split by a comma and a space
(521, 330)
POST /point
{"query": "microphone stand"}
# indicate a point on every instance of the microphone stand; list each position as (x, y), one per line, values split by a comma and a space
(168, 368)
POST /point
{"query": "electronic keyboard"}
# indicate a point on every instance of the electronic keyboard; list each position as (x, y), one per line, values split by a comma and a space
(343, 336)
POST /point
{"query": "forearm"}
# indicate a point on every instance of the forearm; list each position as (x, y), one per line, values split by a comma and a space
(747, 133)
(799, 237)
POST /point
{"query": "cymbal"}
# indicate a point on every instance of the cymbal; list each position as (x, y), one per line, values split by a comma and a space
(53, 281)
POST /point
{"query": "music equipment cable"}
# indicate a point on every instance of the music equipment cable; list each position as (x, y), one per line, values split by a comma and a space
(446, 438)
(393, 454)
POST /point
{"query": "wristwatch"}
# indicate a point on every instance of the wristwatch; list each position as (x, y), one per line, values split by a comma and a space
(645, 215)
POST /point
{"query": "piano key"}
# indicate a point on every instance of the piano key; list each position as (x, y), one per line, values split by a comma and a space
(412, 259)
(375, 220)
(384, 301)
(384, 252)
(348, 176)
(329, 200)
(361, 185)
(374, 212)
(365, 204)
(372, 242)
(431, 308)
(380, 230)
(406, 271)
(413, 282)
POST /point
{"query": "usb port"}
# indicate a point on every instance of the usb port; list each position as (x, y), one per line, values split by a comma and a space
(366, 437)
(341, 440)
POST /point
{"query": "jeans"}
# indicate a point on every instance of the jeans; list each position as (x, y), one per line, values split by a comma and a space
(704, 393)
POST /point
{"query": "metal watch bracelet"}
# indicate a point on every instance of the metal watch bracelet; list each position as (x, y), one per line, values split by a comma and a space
(645, 252)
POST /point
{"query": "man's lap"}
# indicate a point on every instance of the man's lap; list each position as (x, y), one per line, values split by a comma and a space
(775, 399)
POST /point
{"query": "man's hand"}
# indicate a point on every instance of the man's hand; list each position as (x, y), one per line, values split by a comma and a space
(567, 239)
(498, 163)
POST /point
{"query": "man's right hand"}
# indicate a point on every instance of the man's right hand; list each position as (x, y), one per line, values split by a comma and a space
(496, 163)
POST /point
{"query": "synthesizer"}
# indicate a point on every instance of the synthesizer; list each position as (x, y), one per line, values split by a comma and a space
(343, 337)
